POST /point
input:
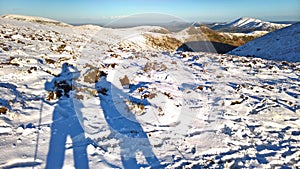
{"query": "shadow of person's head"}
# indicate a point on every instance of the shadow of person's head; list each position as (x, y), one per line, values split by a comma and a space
(68, 73)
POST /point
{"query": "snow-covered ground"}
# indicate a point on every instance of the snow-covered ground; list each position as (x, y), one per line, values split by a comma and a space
(114, 106)
(280, 45)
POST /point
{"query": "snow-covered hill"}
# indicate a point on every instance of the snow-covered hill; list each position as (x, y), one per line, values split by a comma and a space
(222, 42)
(247, 25)
(35, 19)
(278, 45)
(105, 97)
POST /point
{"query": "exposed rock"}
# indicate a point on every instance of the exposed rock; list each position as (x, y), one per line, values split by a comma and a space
(3, 110)
(125, 81)
(92, 76)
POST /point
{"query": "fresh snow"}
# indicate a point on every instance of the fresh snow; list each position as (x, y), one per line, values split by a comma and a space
(154, 109)
(279, 45)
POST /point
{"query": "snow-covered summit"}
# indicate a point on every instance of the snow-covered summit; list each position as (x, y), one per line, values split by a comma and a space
(253, 23)
(278, 45)
(246, 24)
(36, 19)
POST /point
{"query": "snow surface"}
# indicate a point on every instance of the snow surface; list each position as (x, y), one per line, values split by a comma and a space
(176, 110)
(279, 45)
(245, 24)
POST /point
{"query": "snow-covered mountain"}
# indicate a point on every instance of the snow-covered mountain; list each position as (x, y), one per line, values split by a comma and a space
(111, 100)
(281, 45)
(247, 25)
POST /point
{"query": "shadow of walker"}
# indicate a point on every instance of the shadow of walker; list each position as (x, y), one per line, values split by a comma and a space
(65, 122)
(124, 126)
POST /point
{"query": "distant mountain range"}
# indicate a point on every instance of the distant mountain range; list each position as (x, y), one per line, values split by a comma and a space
(246, 25)
(241, 25)
(173, 26)
(280, 45)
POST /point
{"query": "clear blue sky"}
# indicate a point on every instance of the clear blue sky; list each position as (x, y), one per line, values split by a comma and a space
(191, 10)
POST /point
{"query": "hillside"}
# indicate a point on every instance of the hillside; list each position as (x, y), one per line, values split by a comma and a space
(196, 38)
(112, 100)
(35, 19)
(280, 45)
(246, 25)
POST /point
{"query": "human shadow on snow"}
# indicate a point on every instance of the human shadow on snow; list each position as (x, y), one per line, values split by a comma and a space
(124, 126)
(65, 121)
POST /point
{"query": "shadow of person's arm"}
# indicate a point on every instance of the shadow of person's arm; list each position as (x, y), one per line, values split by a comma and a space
(48, 102)
(108, 89)
(145, 102)
(49, 86)
(121, 93)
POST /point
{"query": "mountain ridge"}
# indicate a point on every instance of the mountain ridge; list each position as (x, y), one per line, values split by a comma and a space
(35, 19)
(247, 24)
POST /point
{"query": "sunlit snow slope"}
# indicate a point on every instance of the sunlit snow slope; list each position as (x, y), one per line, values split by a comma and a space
(279, 45)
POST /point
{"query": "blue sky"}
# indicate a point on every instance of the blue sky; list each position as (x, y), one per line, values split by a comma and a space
(76, 11)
